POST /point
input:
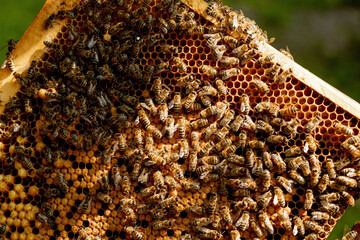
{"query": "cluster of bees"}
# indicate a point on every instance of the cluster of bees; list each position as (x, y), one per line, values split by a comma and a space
(168, 139)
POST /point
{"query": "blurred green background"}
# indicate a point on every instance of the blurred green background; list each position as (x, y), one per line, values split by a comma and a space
(323, 36)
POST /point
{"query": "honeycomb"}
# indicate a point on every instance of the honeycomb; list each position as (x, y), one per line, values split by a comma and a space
(166, 120)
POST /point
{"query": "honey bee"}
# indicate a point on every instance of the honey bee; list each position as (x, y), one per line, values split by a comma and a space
(221, 108)
(349, 200)
(264, 199)
(351, 149)
(125, 184)
(351, 235)
(288, 111)
(176, 170)
(324, 182)
(134, 233)
(191, 86)
(2, 231)
(207, 112)
(199, 222)
(228, 73)
(319, 216)
(298, 226)
(311, 236)
(330, 167)
(156, 133)
(312, 225)
(167, 202)
(193, 161)
(44, 219)
(293, 151)
(330, 197)
(286, 183)
(260, 85)
(313, 123)
(276, 139)
(62, 183)
(297, 177)
(218, 52)
(329, 207)
(222, 89)
(285, 220)
(243, 222)
(222, 133)
(235, 125)
(213, 40)
(180, 64)
(343, 129)
(279, 162)
(190, 99)
(208, 70)
(229, 61)
(104, 182)
(85, 205)
(309, 199)
(266, 223)
(169, 48)
(235, 234)
(256, 144)
(282, 77)
(161, 224)
(310, 144)
(232, 42)
(200, 123)
(222, 144)
(175, 104)
(347, 181)
(52, 192)
(279, 197)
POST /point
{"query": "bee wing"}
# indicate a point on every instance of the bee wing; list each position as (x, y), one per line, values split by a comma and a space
(306, 147)
(171, 104)
(295, 230)
(276, 201)
(4, 64)
(203, 175)
(137, 120)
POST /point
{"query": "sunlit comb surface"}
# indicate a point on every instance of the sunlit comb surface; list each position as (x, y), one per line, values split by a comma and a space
(143, 120)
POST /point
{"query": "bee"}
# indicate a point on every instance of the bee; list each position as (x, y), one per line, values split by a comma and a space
(193, 161)
(351, 235)
(279, 162)
(285, 220)
(221, 87)
(235, 234)
(264, 199)
(222, 133)
(104, 182)
(221, 108)
(312, 225)
(330, 167)
(351, 149)
(329, 207)
(200, 123)
(182, 123)
(110, 153)
(163, 111)
(256, 144)
(266, 223)
(347, 181)
(286, 183)
(297, 177)
(298, 226)
(309, 199)
(311, 236)
(228, 117)
(231, 41)
(161, 224)
(225, 213)
(171, 182)
(265, 59)
(349, 200)
(208, 90)
(167, 202)
(205, 100)
(2, 231)
(282, 77)
(222, 145)
(250, 158)
(279, 197)
(62, 183)
(238, 121)
(191, 86)
(310, 144)
(229, 61)
(156, 133)
(158, 180)
(208, 70)
(44, 219)
(139, 12)
(169, 48)
(85, 205)
(243, 222)
(199, 222)
(276, 139)
(213, 40)
(261, 86)
(175, 104)
(228, 73)
(125, 184)
(343, 129)
(170, 127)
(207, 112)
(293, 151)
(218, 52)
(288, 111)
(104, 197)
(130, 214)
(145, 192)
(133, 232)
(330, 197)
(176, 170)
(305, 168)
(319, 216)
(324, 182)
(190, 99)
(180, 64)
(184, 149)
(9, 62)
(195, 138)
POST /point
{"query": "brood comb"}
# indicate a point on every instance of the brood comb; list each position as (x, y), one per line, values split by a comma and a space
(168, 120)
